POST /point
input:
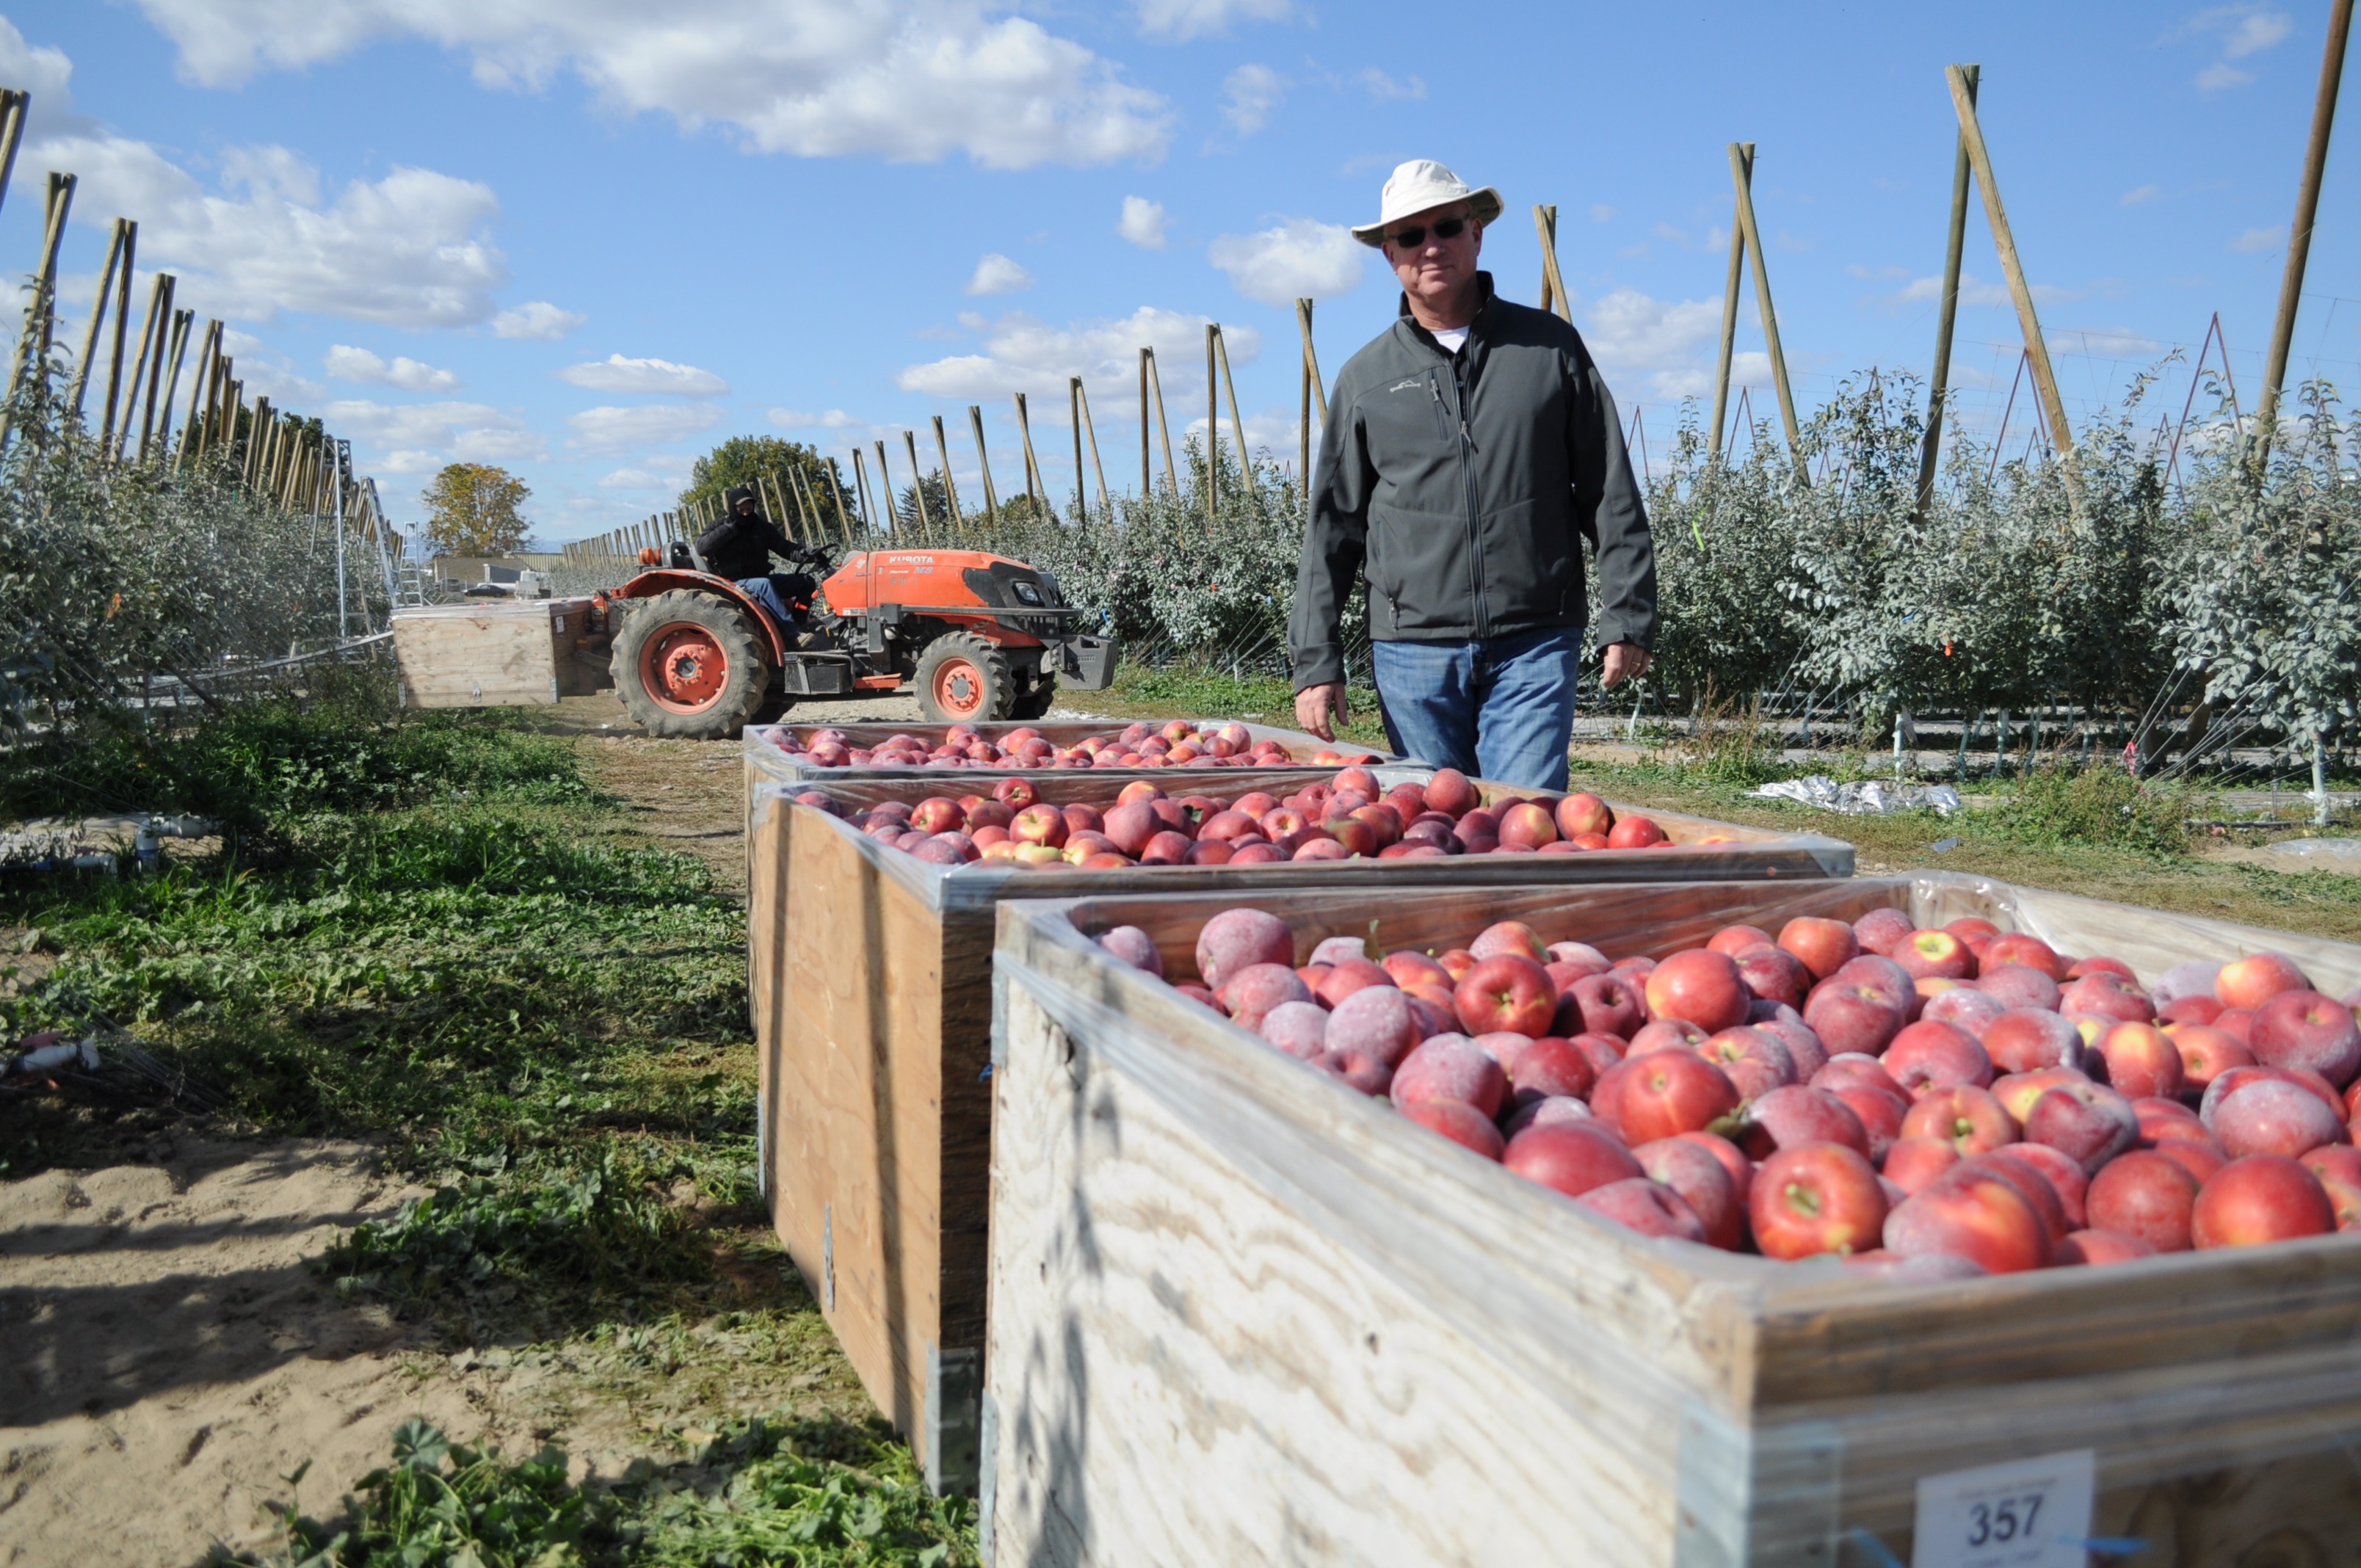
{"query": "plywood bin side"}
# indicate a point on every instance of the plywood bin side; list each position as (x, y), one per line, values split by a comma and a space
(1241, 1314)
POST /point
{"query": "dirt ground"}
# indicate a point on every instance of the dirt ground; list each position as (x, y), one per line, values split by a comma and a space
(169, 1360)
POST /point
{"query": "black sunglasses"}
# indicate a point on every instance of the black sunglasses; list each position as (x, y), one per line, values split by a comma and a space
(1409, 239)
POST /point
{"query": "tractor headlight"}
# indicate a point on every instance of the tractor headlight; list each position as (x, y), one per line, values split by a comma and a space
(1056, 596)
(1027, 593)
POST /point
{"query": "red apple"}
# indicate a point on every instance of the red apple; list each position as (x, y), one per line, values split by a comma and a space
(2086, 1122)
(1972, 1213)
(1970, 1119)
(2250, 981)
(1823, 947)
(1913, 1162)
(1879, 929)
(2067, 1178)
(2142, 1062)
(2097, 1248)
(1772, 974)
(1814, 1199)
(2108, 995)
(1636, 833)
(1298, 1028)
(1735, 939)
(2199, 1156)
(1852, 1018)
(2025, 1039)
(1661, 1094)
(2019, 986)
(1039, 825)
(1929, 1056)
(1254, 991)
(1695, 1173)
(1451, 1067)
(2271, 1116)
(1347, 976)
(1237, 937)
(1505, 993)
(1550, 1067)
(1133, 946)
(1755, 1062)
(1407, 966)
(2262, 1198)
(2206, 1053)
(1571, 1157)
(2147, 1195)
(1529, 824)
(1509, 936)
(1849, 1068)
(2189, 1010)
(1965, 1008)
(1376, 1022)
(1462, 1123)
(1937, 955)
(1882, 1114)
(2305, 1029)
(1795, 1114)
(2014, 947)
(2027, 1180)
(2337, 1168)
(1701, 986)
(1580, 813)
(1648, 1206)
(1451, 792)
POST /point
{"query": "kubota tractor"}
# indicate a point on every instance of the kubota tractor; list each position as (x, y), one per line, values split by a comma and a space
(982, 637)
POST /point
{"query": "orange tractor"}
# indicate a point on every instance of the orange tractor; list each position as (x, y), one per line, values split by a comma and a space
(979, 636)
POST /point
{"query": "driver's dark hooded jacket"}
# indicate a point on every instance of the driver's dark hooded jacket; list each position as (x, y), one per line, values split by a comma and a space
(1464, 485)
(741, 547)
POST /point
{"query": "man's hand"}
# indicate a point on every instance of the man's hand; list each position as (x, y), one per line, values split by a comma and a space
(1623, 661)
(1314, 706)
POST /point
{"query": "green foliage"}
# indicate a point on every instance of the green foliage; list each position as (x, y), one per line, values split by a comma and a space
(473, 509)
(2102, 804)
(795, 1494)
(745, 459)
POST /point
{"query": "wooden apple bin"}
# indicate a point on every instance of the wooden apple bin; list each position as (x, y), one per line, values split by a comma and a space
(870, 980)
(1241, 1313)
(764, 757)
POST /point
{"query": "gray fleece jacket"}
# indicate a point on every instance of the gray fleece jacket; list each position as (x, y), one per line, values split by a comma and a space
(1462, 484)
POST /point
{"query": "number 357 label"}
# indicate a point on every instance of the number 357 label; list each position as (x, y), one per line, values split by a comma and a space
(2029, 1513)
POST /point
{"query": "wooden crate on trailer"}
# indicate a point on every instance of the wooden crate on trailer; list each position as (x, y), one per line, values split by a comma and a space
(1241, 1313)
(870, 979)
(492, 652)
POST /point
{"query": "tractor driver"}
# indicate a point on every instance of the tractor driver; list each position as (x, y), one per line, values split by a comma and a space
(740, 547)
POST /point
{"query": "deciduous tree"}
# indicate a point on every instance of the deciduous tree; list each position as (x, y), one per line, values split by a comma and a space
(472, 509)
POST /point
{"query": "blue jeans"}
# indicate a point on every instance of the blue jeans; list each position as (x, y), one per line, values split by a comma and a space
(1501, 708)
(765, 592)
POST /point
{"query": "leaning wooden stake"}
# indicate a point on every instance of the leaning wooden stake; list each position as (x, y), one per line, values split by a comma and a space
(983, 463)
(868, 504)
(1147, 472)
(1237, 420)
(1074, 418)
(1083, 397)
(1730, 310)
(919, 486)
(12, 107)
(1314, 395)
(1213, 425)
(1554, 294)
(2307, 208)
(33, 344)
(145, 364)
(2036, 347)
(182, 322)
(836, 494)
(1948, 311)
(951, 489)
(1033, 487)
(122, 321)
(1163, 429)
(892, 508)
(98, 308)
(1741, 175)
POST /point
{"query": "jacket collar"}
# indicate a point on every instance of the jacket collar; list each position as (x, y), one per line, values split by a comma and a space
(1475, 325)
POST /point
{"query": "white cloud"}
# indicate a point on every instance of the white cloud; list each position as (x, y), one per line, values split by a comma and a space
(2256, 31)
(1301, 258)
(1181, 20)
(498, 446)
(1631, 332)
(265, 371)
(2103, 342)
(411, 249)
(997, 274)
(1600, 213)
(654, 424)
(835, 418)
(818, 78)
(2255, 240)
(1974, 291)
(2222, 74)
(2139, 197)
(539, 321)
(1385, 88)
(661, 376)
(412, 433)
(1142, 223)
(346, 363)
(2244, 30)
(1250, 94)
(1022, 354)
(633, 479)
(46, 73)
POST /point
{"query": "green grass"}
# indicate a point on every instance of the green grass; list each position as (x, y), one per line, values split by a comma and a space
(440, 937)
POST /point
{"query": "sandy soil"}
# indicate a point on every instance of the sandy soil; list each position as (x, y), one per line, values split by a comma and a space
(167, 1358)
(171, 1358)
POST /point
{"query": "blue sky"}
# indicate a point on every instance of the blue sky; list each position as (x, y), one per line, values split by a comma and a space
(587, 238)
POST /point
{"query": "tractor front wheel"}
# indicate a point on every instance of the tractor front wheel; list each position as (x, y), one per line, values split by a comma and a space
(688, 666)
(962, 679)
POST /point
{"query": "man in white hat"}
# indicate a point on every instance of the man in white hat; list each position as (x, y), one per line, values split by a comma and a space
(1469, 450)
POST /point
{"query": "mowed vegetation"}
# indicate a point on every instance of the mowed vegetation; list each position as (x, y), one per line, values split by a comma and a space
(435, 934)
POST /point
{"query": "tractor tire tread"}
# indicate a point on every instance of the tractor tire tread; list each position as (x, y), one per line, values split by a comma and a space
(750, 677)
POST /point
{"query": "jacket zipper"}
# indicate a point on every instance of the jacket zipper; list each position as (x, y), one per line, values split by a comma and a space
(1481, 622)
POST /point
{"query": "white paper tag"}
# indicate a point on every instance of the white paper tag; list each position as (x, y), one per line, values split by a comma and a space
(2029, 1513)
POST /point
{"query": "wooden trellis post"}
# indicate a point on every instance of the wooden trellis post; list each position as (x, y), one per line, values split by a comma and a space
(983, 463)
(1948, 311)
(2036, 348)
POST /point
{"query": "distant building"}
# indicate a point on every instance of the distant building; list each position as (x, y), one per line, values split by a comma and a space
(455, 574)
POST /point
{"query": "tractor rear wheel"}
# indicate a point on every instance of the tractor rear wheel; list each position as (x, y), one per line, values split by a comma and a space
(688, 666)
(962, 679)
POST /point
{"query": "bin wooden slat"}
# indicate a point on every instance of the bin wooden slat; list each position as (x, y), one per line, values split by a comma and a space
(869, 977)
(1241, 1313)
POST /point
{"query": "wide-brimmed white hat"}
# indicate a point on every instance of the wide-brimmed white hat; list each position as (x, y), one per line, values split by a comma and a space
(1418, 186)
